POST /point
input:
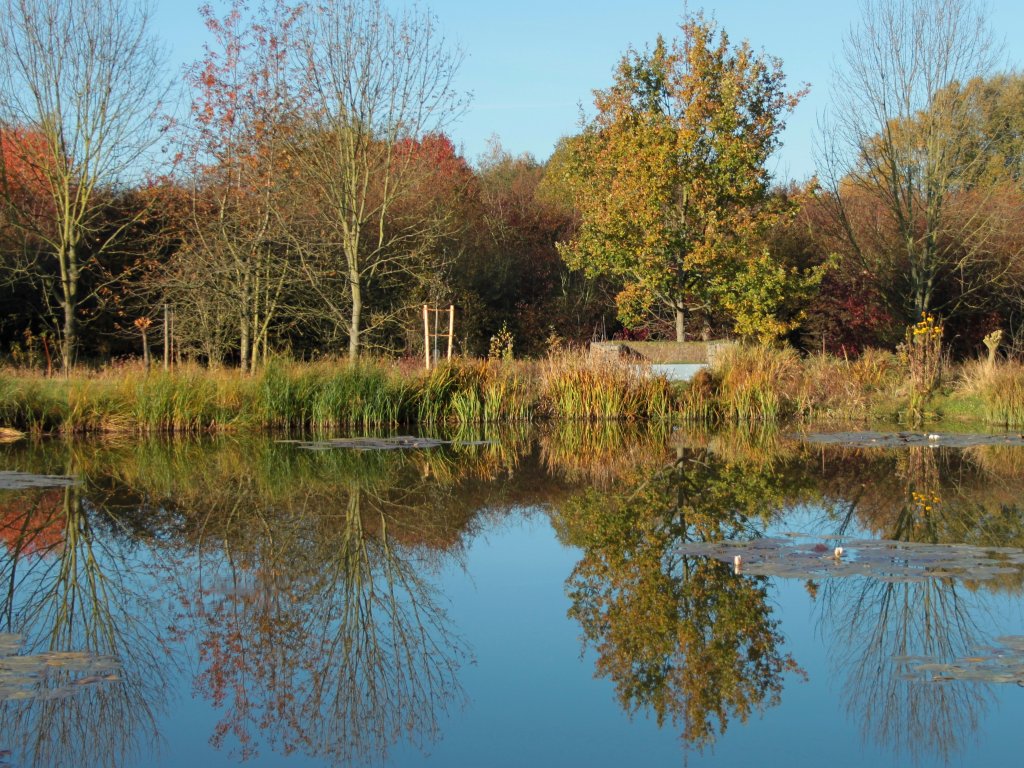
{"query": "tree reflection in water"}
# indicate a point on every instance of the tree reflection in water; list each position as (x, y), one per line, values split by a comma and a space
(879, 629)
(681, 636)
(325, 634)
(318, 623)
(71, 583)
(304, 583)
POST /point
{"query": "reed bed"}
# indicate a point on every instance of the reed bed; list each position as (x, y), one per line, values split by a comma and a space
(767, 385)
(578, 387)
(746, 385)
(325, 396)
(999, 386)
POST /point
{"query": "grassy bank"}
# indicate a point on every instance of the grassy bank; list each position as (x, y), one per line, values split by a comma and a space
(767, 385)
(745, 385)
(329, 396)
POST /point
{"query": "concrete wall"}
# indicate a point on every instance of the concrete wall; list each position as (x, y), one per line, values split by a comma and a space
(662, 351)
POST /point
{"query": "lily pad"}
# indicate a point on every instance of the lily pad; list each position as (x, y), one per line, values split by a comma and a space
(999, 664)
(910, 439)
(31, 676)
(379, 443)
(881, 559)
(19, 481)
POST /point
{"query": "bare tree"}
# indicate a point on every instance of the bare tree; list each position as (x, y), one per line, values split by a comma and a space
(378, 82)
(85, 78)
(897, 135)
(236, 152)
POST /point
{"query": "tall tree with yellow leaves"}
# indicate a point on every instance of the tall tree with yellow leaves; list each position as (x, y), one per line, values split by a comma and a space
(670, 176)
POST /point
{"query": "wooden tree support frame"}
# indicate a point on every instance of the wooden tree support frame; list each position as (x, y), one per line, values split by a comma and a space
(428, 335)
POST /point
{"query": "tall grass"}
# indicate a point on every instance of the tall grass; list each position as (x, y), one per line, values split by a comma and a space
(324, 396)
(327, 396)
(1000, 388)
(758, 383)
(761, 384)
(746, 385)
(575, 386)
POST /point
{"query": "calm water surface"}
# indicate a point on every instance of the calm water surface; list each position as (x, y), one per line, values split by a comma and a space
(561, 598)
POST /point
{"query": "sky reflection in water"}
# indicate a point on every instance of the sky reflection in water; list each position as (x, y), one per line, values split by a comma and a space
(537, 601)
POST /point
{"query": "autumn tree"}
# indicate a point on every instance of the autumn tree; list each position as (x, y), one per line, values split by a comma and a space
(376, 80)
(900, 136)
(236, 152)
(85, 76)
(513, 222)
(670, 176)
(680, 636)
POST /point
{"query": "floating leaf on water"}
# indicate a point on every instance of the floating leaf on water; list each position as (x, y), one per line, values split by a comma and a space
(9, 643)
(907, 439)
(19, 481)
(404, 442)
(887, 561)
(25, 677)
(998, 664)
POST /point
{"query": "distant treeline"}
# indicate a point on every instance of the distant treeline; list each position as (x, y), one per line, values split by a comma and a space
(311, 200)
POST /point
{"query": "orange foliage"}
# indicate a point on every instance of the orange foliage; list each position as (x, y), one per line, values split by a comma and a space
(24, 158)
(28, 525)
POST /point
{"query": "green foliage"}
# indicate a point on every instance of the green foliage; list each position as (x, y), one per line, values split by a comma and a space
(502, 344)
(679, 636)
(670, 177)
(767, 298)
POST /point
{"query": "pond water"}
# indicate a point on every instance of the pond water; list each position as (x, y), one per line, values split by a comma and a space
(552, 598)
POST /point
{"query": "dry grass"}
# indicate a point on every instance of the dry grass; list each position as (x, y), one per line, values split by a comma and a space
(577, 386)
(1000, 388)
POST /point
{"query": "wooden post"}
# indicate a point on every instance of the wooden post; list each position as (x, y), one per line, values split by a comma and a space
(167, 338)
(426, 335)
(451, 329)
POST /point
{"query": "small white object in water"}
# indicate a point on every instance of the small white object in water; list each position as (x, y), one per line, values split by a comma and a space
(838, 552)
(737, 564)
(933, 437)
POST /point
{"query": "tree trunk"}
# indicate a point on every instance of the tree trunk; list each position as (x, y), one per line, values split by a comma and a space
(244, 342)
(357, 311)
(680, 323)
(69, 303)
(69, 335)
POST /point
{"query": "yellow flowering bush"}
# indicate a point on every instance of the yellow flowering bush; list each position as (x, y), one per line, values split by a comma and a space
(921, 351)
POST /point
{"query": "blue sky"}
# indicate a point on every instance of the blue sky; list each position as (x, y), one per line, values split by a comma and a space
(530, 64)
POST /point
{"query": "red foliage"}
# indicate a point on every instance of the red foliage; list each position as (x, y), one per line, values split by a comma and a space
(441, 176)
(30, 525)
(24, 158)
